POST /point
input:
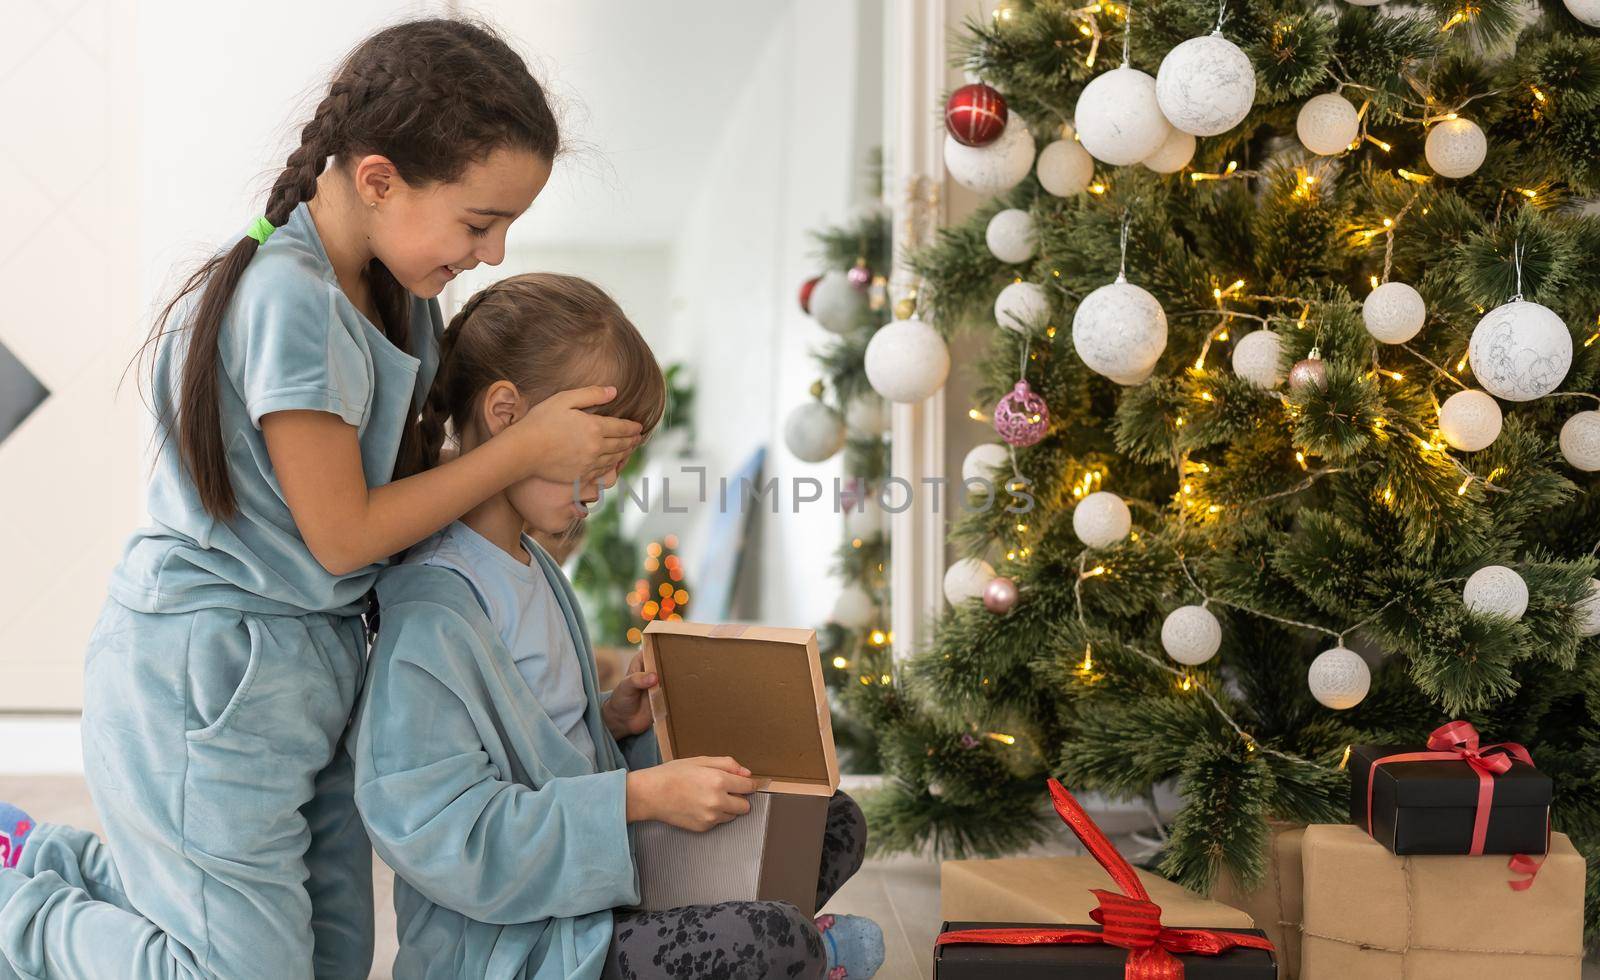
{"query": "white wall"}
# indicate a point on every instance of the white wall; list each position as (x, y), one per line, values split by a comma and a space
(68, 270)
(790, 159)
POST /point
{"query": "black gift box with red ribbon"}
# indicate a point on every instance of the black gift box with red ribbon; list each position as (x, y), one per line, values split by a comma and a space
(1128, 941)
(1047, 961)
(1452, 797)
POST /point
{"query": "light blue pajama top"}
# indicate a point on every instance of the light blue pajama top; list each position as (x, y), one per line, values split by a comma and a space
(510, 848)
(290, 339)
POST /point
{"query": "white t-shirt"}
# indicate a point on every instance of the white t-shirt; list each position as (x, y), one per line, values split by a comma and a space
(523, 606)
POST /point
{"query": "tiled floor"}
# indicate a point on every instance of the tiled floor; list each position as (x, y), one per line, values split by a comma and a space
(901, 893)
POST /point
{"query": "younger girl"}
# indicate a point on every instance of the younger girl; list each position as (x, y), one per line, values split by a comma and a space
(220, 676)
(493, 776)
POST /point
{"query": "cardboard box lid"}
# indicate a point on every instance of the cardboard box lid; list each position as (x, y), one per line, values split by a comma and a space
(755, 693)
(1056, 889)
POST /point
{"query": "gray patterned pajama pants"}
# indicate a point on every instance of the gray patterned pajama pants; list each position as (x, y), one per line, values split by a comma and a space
(740, 940)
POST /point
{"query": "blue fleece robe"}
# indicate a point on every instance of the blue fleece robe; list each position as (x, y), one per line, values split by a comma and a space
(509, 849)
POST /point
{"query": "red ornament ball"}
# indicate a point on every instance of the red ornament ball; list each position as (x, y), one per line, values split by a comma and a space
(975, 115)
(805, 293)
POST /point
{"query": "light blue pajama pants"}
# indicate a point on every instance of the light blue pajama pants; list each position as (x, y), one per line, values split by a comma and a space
(213, 745)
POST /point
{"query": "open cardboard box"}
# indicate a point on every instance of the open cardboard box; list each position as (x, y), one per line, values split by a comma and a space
(754, 693)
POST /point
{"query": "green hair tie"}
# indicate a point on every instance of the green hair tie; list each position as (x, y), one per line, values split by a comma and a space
(260, 229)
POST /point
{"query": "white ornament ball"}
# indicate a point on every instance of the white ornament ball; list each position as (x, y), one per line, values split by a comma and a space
(1589, 611)
(984, 460)
(1119, 331)
(1455, 147)
(836, 303)
(1065, 168)
(967, 579)
(1470, 420)
(1497, 591)
(1136, 378)
(1012, 236)
(1206, 85)
(1258, 358)
(854, 609)
(1394, 312)
(1022, 306)
(813, 432)
(1327, 124)
(1339, 678)
(1101, 519)
(1580, 441)
(1173, 155)
(1191, 635)
(1586, 11)
(1520, 351)
(907, 361)
(867, 415)
(864, 519)
(995, 167)
(1118, 118)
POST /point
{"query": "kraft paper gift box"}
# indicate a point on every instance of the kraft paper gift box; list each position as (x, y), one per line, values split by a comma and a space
(754, 693)
(1276, 904)
(1049, 893)
(1374, 915)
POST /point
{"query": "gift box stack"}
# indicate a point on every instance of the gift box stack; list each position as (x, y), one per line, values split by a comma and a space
(1447, 869)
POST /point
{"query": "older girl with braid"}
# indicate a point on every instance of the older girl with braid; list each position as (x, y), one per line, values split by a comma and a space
(494, 777)
(288, 377)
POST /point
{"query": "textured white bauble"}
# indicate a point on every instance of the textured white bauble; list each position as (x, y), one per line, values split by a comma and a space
(1206, 85)
(1327, 124)
(1022, 306)
(1101, 519)
(836, 303)
(1520, 351)
(1587, 11)
(867, 415)
(982, 462)
(1012, 236)
(1118, 118)
(907, 361)
(1455, 147)
(864, 520)
(1394, 312)
(996, 167)
(1065, 168)
(1470, 420)
(967, 579)
(1119, 330)
(813, 432)
(1339, 678)
(1580, 441)
(1589, 611)
(854, 609)
(1191, 635)
(1497, 591)
(1136, 378)
(1258, 358)
(1173, 155)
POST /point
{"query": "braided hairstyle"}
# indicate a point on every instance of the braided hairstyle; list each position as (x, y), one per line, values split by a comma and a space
(545, 333)
(431, 95)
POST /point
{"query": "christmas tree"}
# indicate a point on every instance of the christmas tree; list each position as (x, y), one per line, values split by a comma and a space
(1316, 457)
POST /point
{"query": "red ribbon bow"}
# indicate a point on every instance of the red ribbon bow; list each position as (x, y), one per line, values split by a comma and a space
(1128, 918)
(1458, 741)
